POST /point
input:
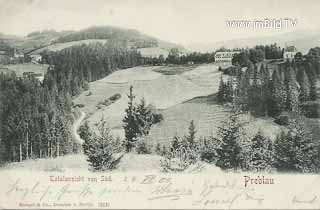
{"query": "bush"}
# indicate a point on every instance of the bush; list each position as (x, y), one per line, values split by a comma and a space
(208, 149)
(179, 159)
(156, 118)
(101, 148)
(115, 97)
(143, 148)
(109, 101)
(182, 153)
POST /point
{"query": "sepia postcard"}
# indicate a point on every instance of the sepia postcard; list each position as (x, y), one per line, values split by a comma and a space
(159, 104)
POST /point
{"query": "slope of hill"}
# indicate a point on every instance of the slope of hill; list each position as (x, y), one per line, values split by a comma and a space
(302, 39)
(51, 40)
(61, 46)
(133, 38)
(33, 40)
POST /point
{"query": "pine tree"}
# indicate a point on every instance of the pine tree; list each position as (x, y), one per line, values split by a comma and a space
(296, 151)
(144, 118)
(303, 81)
(292, 103)
(229, 152)
(100, 147)
(278, 95)
(191, 136)
(261, 153)
(221, 92)
(229, 90)
(130, 122)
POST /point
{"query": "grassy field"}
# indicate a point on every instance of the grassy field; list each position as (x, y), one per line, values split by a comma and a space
(26, 67)
(207, 116)
(163, 91)
(186, 95)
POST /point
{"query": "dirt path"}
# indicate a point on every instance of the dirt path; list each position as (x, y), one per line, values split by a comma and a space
(76, 125)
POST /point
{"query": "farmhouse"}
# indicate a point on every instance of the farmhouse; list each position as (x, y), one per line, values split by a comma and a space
(18, 54)
(36, 58)
(224, 57)
(38, 76)
(289, 53)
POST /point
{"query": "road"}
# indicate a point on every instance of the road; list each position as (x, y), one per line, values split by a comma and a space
(76, 125)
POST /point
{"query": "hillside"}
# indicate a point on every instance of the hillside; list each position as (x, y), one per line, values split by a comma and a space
(36, 42)
(32, 41)
(60, 46)
(302, 39)
(133, 38)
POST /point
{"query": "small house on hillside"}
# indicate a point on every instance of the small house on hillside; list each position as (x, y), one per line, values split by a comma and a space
(37, 76)
(18, 54)
(224, 56)
(289, 53)
(36, 58)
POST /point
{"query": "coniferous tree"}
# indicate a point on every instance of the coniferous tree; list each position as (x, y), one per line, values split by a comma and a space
(100, 147)
(303, 81)
(221, 91)
(296, 151)
(261, 155)
(229, 152)
(130, 122)
(292, 103)
(278, 95)
(144, 118)
(191, 136)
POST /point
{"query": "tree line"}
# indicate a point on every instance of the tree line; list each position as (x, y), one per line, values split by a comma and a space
(35, 119)
(73, 68)
(178, 58)
(268, 92)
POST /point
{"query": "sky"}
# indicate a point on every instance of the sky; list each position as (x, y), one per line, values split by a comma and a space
(179, 21)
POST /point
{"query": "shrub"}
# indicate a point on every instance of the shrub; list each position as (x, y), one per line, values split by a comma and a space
(179, 159)
(182, 153)
(143, 148)
(156, 118)
(162, 151)
(208, 149)
(115, 97)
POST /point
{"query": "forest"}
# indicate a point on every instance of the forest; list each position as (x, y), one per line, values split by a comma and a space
(36, 117)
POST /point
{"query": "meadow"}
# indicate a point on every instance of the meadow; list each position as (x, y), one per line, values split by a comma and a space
(19, 69)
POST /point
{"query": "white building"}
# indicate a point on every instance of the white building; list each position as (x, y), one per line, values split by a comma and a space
(289, 53)
(36, 58)
(225, 57)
